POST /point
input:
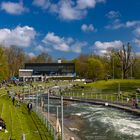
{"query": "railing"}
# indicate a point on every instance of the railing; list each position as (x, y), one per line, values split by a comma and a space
(118, 98)
(47, 123)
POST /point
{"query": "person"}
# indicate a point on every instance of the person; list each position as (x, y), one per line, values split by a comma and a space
(134, 102)
(8, 93)
(127, 99)
(29, 106)
(13, 100)
(3, 125)
(42, 105)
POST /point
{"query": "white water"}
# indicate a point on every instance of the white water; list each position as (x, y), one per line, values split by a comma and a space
(105, 121)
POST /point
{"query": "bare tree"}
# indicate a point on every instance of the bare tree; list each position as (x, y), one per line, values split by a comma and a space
(127, 59)
(16, 57)
(43, 58)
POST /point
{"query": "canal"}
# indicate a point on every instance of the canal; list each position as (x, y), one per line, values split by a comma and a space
(96, 122)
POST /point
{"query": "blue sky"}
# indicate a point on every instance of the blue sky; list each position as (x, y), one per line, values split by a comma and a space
(67, 28)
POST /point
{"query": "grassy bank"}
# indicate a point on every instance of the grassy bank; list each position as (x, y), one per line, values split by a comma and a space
(19, 122)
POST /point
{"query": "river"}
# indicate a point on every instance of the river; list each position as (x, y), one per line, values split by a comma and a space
(102, 123)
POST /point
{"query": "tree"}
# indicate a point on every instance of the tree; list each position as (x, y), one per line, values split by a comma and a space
(43, 58)
(16, 59)
(95, 69)
(127, 59)
(81, 65)
(112, 64)
(135, 69)
(81, 68)
(4, 71)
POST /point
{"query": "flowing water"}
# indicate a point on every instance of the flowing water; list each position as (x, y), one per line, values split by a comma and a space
(103, 123)
(107, 123)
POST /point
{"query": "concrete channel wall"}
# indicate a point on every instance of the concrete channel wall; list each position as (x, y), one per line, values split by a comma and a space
(117, 105)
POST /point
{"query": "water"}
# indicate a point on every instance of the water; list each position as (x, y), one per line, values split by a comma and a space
(107, 123)
(103, 123)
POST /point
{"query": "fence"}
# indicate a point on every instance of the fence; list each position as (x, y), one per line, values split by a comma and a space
(121, 97)
(47, 123)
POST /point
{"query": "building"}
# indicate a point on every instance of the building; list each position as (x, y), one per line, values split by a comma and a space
(48, 70)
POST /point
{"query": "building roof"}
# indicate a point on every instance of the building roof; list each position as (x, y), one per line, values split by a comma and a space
(48, 64)
(25, 70)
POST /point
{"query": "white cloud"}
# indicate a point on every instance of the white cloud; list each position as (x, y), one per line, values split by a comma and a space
(13, 8)
(63, 44)
(56, 42)
(83, 4)
(31, 54)
(87, 28)
(77, 46)
(132, 23)
(68, 9)
(20, 36)
(41, 48)
(101, 47)
(113, 14)
(117, 24)
(44, 4)
(137, 31)
(137, 42)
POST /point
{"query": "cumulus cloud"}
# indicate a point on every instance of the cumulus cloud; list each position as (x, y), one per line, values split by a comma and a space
(137, 31)
(113, 14)
(137, 42)
(13, 8)
(20, 36)
(31, 54)
(132, 23)
(44, 4)
(83, 4)
(77, 46)
(102, 47)
(87, 28)
(42, 48)
(68, 9)
(56, 42)
(117, 24)
(63, 44)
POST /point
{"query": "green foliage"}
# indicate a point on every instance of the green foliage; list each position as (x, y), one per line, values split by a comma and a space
(136, 68)
(95, 69)
(19, 121)
(4, 70)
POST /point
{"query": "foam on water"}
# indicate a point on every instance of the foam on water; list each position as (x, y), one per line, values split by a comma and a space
(121, 122)
(103, 121)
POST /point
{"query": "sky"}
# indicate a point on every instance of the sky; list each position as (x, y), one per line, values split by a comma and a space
(68, 28)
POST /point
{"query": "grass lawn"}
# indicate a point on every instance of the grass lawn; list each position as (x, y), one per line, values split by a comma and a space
(125, 85)
(19, 122)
